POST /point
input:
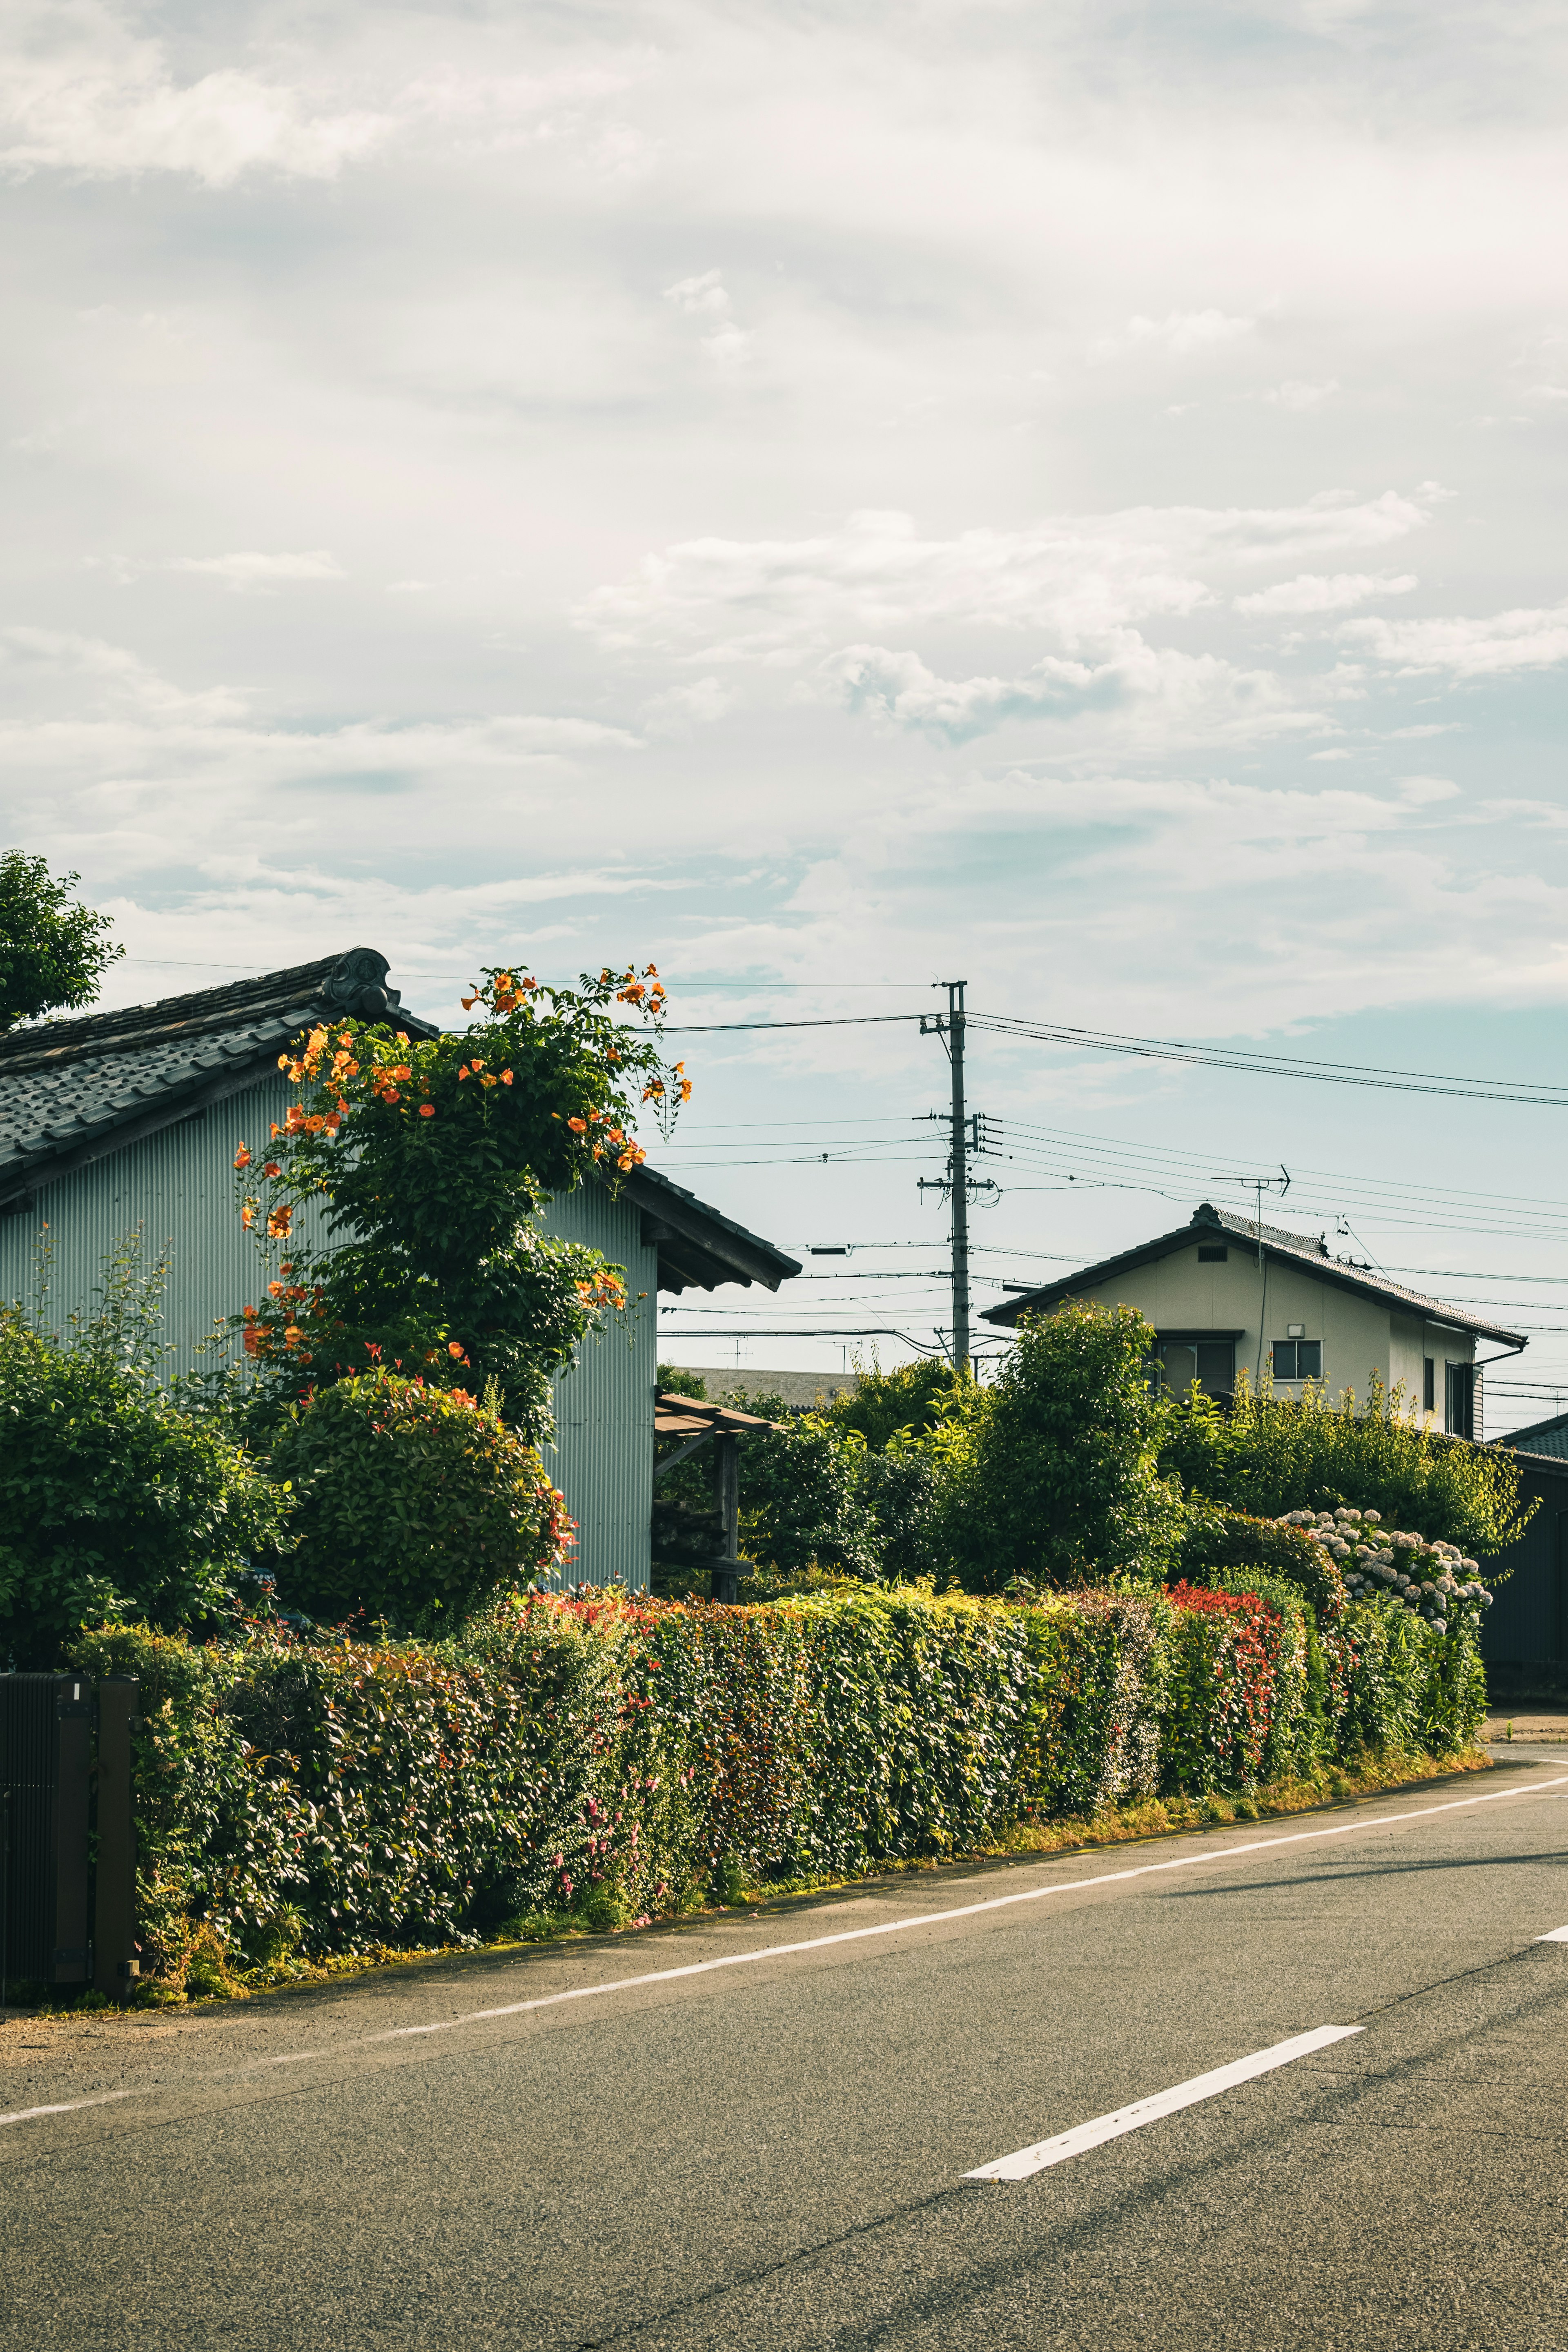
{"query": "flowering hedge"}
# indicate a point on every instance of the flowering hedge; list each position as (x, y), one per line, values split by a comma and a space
(334, 1795)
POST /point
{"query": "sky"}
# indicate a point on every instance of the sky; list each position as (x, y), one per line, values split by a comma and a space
(831, 501)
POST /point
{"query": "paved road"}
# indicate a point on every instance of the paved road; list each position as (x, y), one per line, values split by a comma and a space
(771, 2153)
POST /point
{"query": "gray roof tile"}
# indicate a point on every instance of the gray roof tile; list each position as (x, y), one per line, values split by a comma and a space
(64, 1083)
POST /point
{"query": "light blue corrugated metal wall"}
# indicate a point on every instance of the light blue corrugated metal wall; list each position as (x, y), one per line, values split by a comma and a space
(179, 1187)
(603, 1456)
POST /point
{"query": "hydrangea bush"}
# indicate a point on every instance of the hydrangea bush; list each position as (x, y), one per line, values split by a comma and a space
(1431, 1577)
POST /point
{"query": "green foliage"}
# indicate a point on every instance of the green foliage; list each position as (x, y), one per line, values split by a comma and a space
(674, 1380)
(412, 1502)
(431, 1159)
(1214, 1539)
(1271, 1455)
(800, 1501)
(1061, 1483)
(600, 1757)
(915, 1397)
(113, 1501)
(53, 952)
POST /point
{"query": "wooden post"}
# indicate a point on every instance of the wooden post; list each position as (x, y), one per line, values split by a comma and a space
(727, 1480)
(115, 1967)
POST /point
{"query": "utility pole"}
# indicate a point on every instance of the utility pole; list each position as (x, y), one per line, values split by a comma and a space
(957, 1181)
(960, 1174)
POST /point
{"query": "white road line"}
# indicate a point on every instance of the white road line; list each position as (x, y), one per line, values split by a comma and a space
(1557, 1935)
(1209, 1858)
(1028, 2161)
(69, 2107)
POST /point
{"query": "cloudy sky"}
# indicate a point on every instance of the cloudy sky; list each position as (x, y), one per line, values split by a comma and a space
(832, 499)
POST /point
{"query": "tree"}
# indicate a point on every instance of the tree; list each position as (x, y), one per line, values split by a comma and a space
(1061, 1484)
(53, 953)
(431, 1160)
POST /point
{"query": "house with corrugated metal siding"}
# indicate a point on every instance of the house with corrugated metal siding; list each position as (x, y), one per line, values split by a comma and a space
(126, 1122)
(1226, 1294)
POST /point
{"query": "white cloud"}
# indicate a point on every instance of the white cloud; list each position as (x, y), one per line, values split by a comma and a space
(1180, 333)
(1527, 639)
(1314, 592)
(700, 298)
(1077, 575)
(43, 658)
(82, 95)
(1338, 753)
(1301, 392)
(728, 345)
(1185, 690)
(682, 708)
(250, 568)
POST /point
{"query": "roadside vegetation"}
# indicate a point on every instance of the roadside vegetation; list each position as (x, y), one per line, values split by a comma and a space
(1060, 1608)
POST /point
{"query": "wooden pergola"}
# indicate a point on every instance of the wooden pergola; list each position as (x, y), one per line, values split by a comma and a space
(721, 1425)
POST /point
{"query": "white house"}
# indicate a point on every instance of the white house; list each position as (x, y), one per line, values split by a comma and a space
(127, 1121)
(1224, 1293)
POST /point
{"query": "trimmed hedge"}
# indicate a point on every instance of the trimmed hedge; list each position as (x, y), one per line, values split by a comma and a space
(331, 1795)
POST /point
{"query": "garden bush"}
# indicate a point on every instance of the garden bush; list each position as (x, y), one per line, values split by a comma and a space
(1271, 1454)
(1214, 1537)
(114, 1502)
(601, 1756)
(412, 1503)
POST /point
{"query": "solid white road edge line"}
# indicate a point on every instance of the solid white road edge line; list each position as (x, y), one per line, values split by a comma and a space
(1557, 1935)
(858, 1935)
(1028, 2161)
(26, 2115)
(962, 1911)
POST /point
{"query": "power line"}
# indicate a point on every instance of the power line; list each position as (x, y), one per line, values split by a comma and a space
(1169, 1049)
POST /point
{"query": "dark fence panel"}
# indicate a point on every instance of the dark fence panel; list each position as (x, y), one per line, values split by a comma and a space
(1524, 1637)
(68, 1856)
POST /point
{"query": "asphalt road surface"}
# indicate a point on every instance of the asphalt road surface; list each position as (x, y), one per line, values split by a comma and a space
(767, 2141)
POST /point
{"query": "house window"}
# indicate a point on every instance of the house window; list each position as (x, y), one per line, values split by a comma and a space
(1214, 1256)
(1210, 1362)
(1460, 1416)
(1297, 1359)
(1428, 1385)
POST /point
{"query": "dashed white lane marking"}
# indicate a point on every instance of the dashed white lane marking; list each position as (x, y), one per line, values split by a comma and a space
(1026, 2161)
(1209, 1859)
(67, 2107)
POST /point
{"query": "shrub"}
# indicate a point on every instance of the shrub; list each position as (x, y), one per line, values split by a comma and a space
(412, 1502)
(1217, 1538)
(598, 1756)
(803, 1501)
(1061, 1483)
(1269, 1454)
(114, 1502)
(1224, 1690)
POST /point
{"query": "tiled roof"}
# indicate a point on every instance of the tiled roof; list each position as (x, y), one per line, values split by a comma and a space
(72, 1090)
(1299, 1247)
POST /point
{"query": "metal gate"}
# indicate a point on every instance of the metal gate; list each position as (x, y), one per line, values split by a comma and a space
(68, 1853)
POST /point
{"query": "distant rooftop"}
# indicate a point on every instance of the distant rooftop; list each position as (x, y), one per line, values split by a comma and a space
(1300, 1249)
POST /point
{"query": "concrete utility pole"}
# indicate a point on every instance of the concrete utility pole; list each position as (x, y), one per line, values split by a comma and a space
(960, 1174)
(956, 1182)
